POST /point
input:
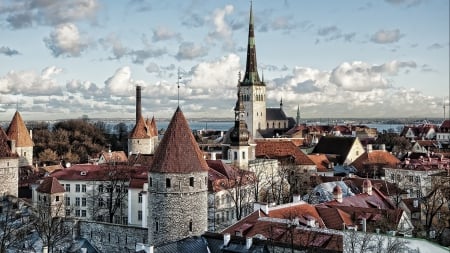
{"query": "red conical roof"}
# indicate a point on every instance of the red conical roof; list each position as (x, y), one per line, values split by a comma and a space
(5, 150)
(18, 131)
(50, 185)
(140, 130)
(178, 152)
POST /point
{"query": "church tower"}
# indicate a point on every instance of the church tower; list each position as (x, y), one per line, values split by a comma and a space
(253, 89)
(239, 136)
(177, 186)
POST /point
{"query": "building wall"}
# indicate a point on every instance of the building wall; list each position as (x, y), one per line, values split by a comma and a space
(112, 237)
(255, 110)
(25, 155)
(141, 146)
(9, 176)
(356, 151)
(177, 211)
(136, 204)
(277, 124)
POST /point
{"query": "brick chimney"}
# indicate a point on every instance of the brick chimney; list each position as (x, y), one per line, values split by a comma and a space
(138, 103)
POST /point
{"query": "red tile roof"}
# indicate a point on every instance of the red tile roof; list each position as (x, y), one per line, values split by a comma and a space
(18, 131)
(222, 176)
(101, 172)
(334, 217)
(50, 185)
(178, 152)
(375, 157)
(321, 162)
(140, 130)
(272, 227)
(276, 149)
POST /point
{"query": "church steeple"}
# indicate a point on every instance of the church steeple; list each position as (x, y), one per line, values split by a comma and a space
(240, 135)
(298, 115)
(251, 76)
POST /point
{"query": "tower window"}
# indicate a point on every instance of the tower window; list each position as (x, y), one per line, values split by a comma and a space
(243, 154)
(191, 181)
(150, 182)
(156, 225)
(190, 226)
(235, 155)
(167, 182)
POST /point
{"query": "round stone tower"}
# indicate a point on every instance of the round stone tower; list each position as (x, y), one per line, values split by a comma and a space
(178, 185)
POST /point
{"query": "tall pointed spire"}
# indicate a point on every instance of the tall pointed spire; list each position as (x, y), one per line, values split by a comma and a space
(298, 115)
(251, 76)
(239, 135)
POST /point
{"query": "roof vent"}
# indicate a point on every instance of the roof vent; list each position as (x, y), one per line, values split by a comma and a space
(83, 173)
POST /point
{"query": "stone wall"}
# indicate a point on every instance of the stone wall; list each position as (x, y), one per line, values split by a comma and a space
(178, 211)
(109, 237)
(9, 176)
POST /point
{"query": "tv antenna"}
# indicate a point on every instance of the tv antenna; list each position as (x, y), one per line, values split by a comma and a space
(178, 86)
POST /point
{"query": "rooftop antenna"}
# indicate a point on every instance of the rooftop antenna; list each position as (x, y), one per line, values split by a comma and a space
(178, 86)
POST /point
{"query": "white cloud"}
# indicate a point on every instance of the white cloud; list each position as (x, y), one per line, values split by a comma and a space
(22, 14)
(386, 36)
(120, 84)
(222, 30)
(66, 40)
(30, 83)
(164, 33)
(357, 76)
(190, 51)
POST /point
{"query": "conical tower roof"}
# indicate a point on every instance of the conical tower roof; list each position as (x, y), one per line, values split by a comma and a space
(5, 150)
(18, 131)
(251, 76)
(178, 152)
(140, 130)
(151, 124)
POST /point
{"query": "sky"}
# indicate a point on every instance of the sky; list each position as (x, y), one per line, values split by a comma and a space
(332, 59)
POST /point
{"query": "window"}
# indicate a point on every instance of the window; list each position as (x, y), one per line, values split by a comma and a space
(67, 201)
(190, 226)
(83, 188)
(100, 202)
(45, 198)
(140, 198)
(83, 201)
(67, 212)
(83, 213)
(191, 181)
(150, 182)
(167, 182)
(139, 215)
(77, 201)
(410, 178)
(243, 154)
(417, 179)
(398, 177)
(67, 187)
(57, 198)
(77, 213)
(156, 225)
(100, 188)
(77, 188)
(235, 155)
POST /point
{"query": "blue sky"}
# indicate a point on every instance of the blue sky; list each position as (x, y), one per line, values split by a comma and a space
(353, 58)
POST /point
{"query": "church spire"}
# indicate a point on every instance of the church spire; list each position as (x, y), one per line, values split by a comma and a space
(251, 76)
(239, 135)
(298, 115)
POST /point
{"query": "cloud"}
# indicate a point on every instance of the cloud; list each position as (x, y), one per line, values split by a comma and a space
(193, 20)
(8, 51)
(190, 51)
(222, 30)
(331, 33)
(120, 84)
(407, 3)
(140, 5)
(386, 36)
(85, 88)
(66, 40)
(23, 14)
(152, 67)
(393, 67)
(163, 33)
(437, 46)
(141, 55)
(29, 83)
(118, 49)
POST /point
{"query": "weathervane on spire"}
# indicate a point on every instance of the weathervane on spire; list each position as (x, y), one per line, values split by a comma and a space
(178, 86)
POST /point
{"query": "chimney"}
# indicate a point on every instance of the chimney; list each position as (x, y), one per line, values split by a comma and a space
(364, 225)
(45, 249)
(213, 156)
(367, 186)
(337, 193)
(248, 242)
(138, 103)
(369, 148)
(383, 147)
(296, 198)
(226, 239)
(261, 206)
(31, 134)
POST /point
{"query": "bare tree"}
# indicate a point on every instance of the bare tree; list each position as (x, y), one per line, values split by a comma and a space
(360, 242)
(13, 227)
(53, 231)
(107, 199)
(239, 188)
